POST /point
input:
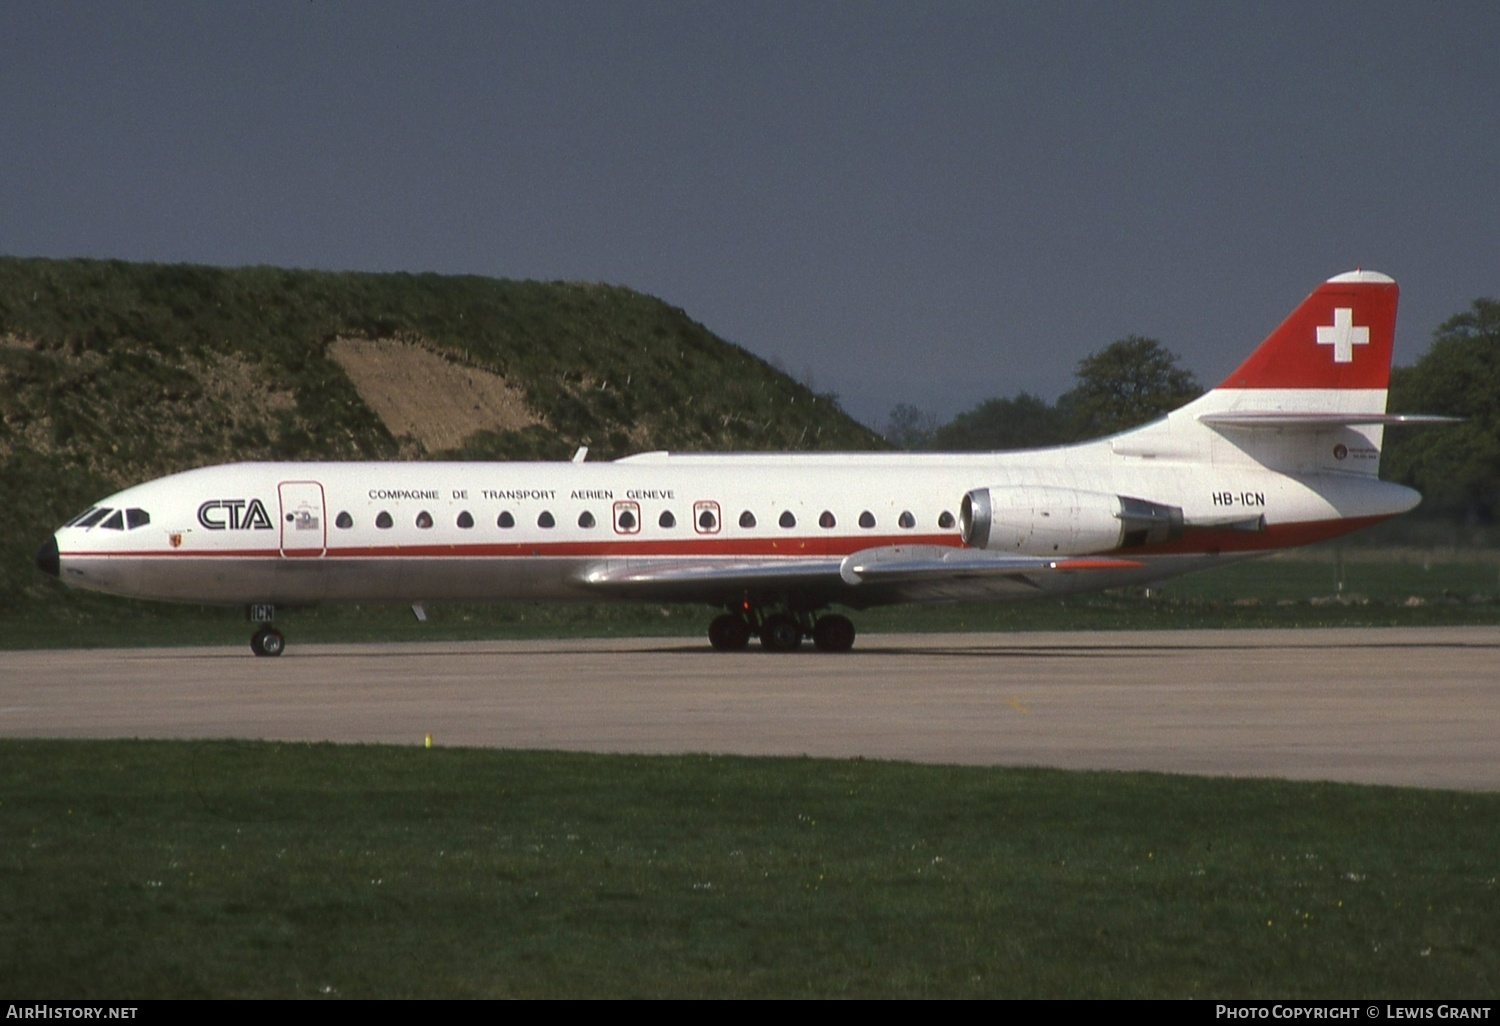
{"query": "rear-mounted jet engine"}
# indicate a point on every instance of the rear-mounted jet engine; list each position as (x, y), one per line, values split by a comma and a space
(1045, 521)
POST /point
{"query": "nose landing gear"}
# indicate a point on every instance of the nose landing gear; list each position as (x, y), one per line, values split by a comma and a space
(267, 641)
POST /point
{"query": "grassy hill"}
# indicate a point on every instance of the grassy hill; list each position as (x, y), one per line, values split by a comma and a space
(113, 373)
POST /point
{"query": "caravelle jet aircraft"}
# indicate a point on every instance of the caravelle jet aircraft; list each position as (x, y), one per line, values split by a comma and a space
(1285, 451)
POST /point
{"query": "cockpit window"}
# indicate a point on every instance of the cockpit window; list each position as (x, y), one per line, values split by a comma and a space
(75, 521)
(116, 522)
(136, 518)
(93, 518)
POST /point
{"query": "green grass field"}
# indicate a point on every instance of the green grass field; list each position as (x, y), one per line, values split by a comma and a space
(131, 869)
(138, 870)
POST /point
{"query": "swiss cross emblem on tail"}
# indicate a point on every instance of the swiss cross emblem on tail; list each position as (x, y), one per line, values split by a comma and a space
(1343, 335)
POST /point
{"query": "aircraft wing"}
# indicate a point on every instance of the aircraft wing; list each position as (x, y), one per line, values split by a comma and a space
(868, 577)
(645, 573)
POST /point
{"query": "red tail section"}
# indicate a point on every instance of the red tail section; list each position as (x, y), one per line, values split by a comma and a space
(1340, 337)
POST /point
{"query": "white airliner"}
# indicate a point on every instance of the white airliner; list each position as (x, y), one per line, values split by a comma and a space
(1285, 451)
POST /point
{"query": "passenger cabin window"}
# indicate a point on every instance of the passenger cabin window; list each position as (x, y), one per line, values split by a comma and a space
(666, 520)
(747, 519)
(627, 520)
(545, 520)
(506, 520)
(344, 521)
(586, 520)
(826, 520)
(465, 520)
(945, 520)
(867, 520)
(907, 521)
(424, 520)
(787, 520)
(115, 522)
(384, 521)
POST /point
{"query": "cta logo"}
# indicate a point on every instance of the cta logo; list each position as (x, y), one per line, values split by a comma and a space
(234, 515)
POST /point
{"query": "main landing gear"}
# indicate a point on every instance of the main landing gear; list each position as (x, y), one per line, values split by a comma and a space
(781, 632)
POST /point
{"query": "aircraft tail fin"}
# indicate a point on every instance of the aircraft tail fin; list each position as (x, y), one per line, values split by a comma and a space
(1310, 398)
(1340, 337)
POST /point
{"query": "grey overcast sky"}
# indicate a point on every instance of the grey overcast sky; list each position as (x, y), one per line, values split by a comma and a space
(917, 202)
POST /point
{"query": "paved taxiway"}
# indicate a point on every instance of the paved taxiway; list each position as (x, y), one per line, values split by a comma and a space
(1401, 706)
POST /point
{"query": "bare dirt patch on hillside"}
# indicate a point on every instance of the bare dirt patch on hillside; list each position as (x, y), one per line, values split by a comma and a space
(423, 395)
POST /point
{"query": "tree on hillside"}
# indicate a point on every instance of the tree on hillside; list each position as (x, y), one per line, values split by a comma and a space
(909, 428)
(1125, 384)
(1022, 422)
(1456, 468)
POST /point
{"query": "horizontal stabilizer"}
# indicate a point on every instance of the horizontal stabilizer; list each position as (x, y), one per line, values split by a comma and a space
(1283, 420)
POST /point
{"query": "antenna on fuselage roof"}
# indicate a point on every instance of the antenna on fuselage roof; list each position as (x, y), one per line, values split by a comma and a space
(581, 454)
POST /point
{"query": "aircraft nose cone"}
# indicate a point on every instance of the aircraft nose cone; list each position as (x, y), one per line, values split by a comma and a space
(47, 560)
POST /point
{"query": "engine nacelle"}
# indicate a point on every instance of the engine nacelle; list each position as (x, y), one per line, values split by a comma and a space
(1045, 521)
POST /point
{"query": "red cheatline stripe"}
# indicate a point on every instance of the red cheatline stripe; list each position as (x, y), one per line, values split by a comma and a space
(722, 547)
